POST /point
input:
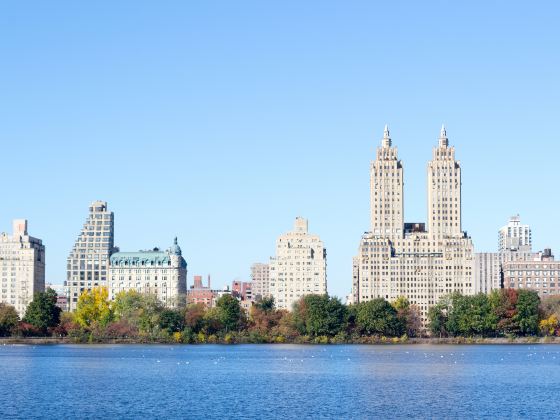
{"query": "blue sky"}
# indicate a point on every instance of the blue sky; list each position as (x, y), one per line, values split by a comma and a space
(221, 121)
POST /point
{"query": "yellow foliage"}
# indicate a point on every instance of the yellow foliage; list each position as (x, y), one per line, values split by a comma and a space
(548, 326)
(93, 307)
(177, 337)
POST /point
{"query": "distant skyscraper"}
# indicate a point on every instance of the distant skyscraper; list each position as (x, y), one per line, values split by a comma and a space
(88, 262)
(22, 266)
(515, 236)
(159, 273)
(299, 268)
(260, 275)
(404, 259)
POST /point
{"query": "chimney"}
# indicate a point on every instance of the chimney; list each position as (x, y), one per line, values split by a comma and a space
(19, 227)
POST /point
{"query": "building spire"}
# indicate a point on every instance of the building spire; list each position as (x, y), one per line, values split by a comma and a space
(443, 140)
(386, 142)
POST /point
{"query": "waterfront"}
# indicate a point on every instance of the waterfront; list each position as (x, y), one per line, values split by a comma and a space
(280, 381)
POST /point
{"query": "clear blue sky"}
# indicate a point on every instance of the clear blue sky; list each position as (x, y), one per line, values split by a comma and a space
(221, 121)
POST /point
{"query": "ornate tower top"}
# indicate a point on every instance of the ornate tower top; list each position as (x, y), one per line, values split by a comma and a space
(443, 140)
(386, 142)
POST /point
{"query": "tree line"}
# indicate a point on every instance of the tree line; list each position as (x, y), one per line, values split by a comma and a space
(136, 317)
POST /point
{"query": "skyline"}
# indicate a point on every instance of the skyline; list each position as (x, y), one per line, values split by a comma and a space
(227, 111)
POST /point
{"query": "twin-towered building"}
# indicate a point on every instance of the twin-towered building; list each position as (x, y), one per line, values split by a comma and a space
(94, 261)
(406, 259)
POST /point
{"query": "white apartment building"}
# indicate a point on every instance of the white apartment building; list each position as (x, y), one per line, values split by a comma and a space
(159, 273)
(404, 259)
(22, 267)
(515, 236)
(299, 267)
(514, 245)
(88, 262)
(260, 276)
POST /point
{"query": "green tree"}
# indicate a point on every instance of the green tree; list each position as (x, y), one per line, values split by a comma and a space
(140, 310)
(231, 315)
(378, 317)
(171, 321)
(438, 316)
(42, 312)
(471, 315)
(8, 320)
(265, 304)
(527, 316)
(93, 308)
(320, 315)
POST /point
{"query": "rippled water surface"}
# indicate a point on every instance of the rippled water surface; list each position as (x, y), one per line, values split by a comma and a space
(280, 381)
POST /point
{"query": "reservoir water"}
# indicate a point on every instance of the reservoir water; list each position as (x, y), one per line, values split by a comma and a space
(279, 381)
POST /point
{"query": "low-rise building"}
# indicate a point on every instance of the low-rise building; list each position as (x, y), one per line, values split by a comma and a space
(204, 295)
(159, 273)
(242, 289)
(22, 266)
(541, 274)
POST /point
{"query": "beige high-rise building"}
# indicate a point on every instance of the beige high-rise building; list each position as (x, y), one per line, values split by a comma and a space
(22, 267)
(159, 273)
(260, 275)
(88, 262)
(404, 259)
(299, 267)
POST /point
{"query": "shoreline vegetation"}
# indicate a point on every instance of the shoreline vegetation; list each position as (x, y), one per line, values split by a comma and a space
(504, 316)
(38, 341)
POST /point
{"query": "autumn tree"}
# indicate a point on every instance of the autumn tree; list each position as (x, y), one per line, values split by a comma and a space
(409, 316)
(93, 308)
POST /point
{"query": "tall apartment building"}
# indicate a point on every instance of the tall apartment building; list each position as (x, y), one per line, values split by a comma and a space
(159, 273)
(299, 267)
(514, 244)
(406, 259)
(22, 267)
(515, 236)
(88, 262)
(260, 276)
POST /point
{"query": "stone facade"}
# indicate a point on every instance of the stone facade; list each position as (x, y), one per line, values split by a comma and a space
(88, 262)
(162, 274)
(22, 267)
(542, 274)
(299, 267)
(406, 259)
